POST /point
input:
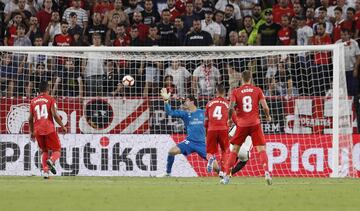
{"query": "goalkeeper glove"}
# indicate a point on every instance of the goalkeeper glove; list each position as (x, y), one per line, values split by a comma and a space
(165, 95)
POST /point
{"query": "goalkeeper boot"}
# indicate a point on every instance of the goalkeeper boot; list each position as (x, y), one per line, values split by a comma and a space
(268, 178)
(210, 164)
(221, 174)
(51, 166)
(225, 180)
(164, 175)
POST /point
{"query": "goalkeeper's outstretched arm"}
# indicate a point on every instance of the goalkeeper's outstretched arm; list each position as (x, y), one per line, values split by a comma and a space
(166, 97)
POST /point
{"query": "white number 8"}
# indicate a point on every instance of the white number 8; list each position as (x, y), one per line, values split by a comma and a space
(247, 103)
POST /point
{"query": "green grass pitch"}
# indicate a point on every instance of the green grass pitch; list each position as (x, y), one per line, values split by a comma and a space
(129, 193)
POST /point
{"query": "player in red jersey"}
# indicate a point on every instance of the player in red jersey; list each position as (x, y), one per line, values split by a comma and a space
(245, 101)
(216, 116)
(42, 128)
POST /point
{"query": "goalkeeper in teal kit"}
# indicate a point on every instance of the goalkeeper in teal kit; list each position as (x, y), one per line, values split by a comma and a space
(194, 123)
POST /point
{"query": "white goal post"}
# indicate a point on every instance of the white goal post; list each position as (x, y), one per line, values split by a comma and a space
(309, 103)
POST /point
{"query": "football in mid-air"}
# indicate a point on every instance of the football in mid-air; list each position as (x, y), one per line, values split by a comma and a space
(128, 80)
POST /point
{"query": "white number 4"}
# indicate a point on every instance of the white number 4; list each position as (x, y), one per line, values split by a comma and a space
(41, 113)
(217, 113)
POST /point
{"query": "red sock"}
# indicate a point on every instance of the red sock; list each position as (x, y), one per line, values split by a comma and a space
(55, 156)
(230, 162)
(264, 160)
(44, 157)
(224, 156)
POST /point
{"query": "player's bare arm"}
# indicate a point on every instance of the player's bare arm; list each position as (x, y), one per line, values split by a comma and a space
(31, 125)
(57, 118)
(266, 109)
(231, 111)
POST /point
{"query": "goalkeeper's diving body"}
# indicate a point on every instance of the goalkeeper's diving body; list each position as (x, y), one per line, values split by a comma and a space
(194, 123)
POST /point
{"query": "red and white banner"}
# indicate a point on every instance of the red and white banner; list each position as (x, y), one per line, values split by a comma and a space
(146, 155)
(88, 115)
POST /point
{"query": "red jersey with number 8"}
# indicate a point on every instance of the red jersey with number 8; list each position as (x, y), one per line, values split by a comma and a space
(217, 114)
(247, 98)
(40, 107)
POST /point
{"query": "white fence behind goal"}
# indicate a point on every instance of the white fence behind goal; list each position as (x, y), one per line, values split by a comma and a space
(117, 130)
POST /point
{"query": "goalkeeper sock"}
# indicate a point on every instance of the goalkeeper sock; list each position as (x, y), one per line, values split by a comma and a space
(44, 157)
(230, 162)
(170, 162)
(264, 160)
(55, 156)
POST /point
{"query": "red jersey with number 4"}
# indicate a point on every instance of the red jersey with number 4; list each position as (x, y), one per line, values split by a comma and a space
(247, 98)
(217, 114)
(40, 107)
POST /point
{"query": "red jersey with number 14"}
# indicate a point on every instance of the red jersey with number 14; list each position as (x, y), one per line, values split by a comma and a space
(40, 107)
(217, 114)
(247, 98)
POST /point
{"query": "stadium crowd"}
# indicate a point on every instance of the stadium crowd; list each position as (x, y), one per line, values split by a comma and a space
(175, 23)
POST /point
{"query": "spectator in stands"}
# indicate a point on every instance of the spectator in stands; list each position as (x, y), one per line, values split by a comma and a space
(222, 4)
(10, 7)
(103, 6)
(338, 25)
(234, 77)
(298, 9)
(283, 81)
(205, 78)
(118, 9)
(199, 11)
(247, 6)
(63, 39)
(167, 30)
(179, 30)
(198, 37)
(280, 9)
(8, 73)
(257, 16)
(249, 30)
(10, 32)
(322, 70)
(310, 16)
(310, 4)
(181, 77)
(2, 23)
(112, 85)
(234, 38)
(53, 29)
(20, 9)
(31, 6)
(349, 22)
(268, 32)
(21, 38)
(121, 39)
(142, 28)
(110, 33)
(153, 37)
(229, 22)
(170, 86)
(173, 11)
(40, 74)
(219, 18)
(150, 15)
(322, 19)
(134, 35)
(212, 27)
(303, 74)
(287, 35)
(95, 27)
(339, 3)
(133, 6)
(34, 59)
(93, 69)
(152, 77)
(74, 28)
(45, 15)
(325, 6)
(68, 80)
(189, 16)
(82, 17)
(243, 38)
(352, 61)
(33, 29)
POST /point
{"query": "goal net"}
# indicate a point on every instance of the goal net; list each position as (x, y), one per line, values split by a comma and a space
(117, 130)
